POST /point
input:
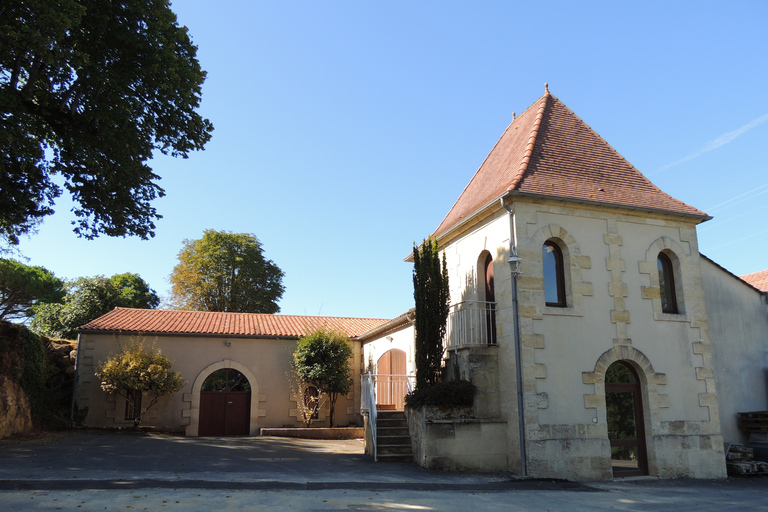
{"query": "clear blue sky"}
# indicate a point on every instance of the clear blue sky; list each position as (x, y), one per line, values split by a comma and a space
(344, 131)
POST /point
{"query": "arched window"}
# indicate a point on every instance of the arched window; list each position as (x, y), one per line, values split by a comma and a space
(667, 284)
(554, 275)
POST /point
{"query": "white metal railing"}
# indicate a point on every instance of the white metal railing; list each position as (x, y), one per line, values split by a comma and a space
(368, 406)
(391, 389)
(471, 323)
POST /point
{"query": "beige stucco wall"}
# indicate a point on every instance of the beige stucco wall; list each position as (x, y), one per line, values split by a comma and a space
(265, 362)
(738, 326)
(401, 339)
(614, 313)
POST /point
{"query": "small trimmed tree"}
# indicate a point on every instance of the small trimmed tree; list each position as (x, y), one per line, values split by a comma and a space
(137, 372)
(321, 359)
(430, 293)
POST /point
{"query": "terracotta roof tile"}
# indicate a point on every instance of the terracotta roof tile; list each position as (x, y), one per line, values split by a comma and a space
(757, 279)
(548, 150)
(229, 324)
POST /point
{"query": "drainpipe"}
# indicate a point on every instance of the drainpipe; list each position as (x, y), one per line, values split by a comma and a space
(514, 267)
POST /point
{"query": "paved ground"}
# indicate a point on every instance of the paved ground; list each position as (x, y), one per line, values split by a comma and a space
(113, 471)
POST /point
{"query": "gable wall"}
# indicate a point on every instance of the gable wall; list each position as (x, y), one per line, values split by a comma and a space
(264, 361)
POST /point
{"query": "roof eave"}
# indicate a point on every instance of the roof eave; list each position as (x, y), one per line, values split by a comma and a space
(513, 193)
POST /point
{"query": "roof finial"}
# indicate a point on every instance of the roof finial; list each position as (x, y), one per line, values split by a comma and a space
(513, 115)
(546, 88)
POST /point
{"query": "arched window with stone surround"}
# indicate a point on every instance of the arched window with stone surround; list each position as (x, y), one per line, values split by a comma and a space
(554, 274)
(667, 285)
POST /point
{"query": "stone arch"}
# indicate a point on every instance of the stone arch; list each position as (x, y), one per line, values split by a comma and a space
(651, 383)
(677, 253)
(573, 264)
(194, 397)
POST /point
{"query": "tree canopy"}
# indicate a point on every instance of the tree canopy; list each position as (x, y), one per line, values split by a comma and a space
(225, 271)
(23, 286)
(322, 360)
(88, 90)
(87, 298)
(136, 372)
(431, 296)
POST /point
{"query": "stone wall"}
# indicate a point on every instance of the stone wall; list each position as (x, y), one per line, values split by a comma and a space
(448, 440)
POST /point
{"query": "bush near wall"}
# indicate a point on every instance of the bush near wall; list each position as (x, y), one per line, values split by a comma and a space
(454, 393)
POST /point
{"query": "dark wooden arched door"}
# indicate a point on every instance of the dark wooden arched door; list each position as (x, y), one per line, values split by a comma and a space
(626, 428)
(490, 299)
(225, 404)
(391, 380)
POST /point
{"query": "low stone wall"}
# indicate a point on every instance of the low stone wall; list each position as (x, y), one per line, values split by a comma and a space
(315, 433)
(450, 440)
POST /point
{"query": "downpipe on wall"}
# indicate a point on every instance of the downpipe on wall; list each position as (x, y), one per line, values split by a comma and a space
(514, 267)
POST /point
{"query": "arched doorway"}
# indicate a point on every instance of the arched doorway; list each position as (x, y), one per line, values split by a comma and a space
(391, 380)
(626, 428)
(225, 404)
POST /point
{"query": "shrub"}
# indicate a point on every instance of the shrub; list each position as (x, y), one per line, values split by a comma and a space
(455, 393)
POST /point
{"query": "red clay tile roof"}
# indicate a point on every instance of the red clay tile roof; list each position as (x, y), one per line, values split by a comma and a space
(229, 324)
(550, 151)
(757, 279)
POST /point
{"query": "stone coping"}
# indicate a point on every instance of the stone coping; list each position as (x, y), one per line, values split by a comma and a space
(469, 420)
(316, 433)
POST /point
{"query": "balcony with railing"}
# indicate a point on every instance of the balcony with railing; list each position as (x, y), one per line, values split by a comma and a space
(471, 323)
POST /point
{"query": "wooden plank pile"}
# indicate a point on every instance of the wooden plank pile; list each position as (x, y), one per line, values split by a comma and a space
(753, 421)
(740, 461)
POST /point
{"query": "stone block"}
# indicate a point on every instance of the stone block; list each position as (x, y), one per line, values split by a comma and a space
(615, 264)
(618, 316)
(650, 292)
(618, 289)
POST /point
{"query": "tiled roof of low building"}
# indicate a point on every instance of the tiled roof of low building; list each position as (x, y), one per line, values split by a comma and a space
(159, 321)
(757, 279)
(549, 151)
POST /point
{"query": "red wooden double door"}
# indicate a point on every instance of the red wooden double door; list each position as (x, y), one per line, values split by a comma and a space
(225, 404)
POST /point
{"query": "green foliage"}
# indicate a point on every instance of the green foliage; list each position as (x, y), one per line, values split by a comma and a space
(430, 293)
(139, 370)
(225, 271)
(134, 292)
(22, 286)
(87, 298)
(454, 393)
(322, 360)
(89, 89)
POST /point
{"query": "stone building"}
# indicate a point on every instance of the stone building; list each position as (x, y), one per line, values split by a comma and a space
(251, 353)
(579, 307)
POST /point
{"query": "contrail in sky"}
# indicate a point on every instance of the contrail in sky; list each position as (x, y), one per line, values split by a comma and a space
(718, 142)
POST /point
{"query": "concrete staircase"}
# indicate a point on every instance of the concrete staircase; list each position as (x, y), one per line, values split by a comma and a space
(393, 442)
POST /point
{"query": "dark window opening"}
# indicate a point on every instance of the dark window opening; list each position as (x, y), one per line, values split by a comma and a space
(133, 405)
(554, 275)
(667, 284)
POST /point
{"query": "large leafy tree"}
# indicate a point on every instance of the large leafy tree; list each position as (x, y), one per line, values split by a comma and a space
(23, 286)
(88, 90)
(225, 271)
(136, 372)
(322, 359)
(88, 298)
(431, 295)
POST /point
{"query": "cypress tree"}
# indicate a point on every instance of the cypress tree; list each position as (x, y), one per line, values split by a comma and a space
(430, 293)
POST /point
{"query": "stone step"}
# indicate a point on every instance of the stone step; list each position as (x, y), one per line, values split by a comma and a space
(388, 449)
(395, 457)
(394, 440)
(392, 431)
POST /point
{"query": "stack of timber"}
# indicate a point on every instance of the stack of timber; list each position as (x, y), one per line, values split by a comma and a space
(740, 461)
(754, 422)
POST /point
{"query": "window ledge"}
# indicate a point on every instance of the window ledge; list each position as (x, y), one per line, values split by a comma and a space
(552, 310)
(670, 317)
